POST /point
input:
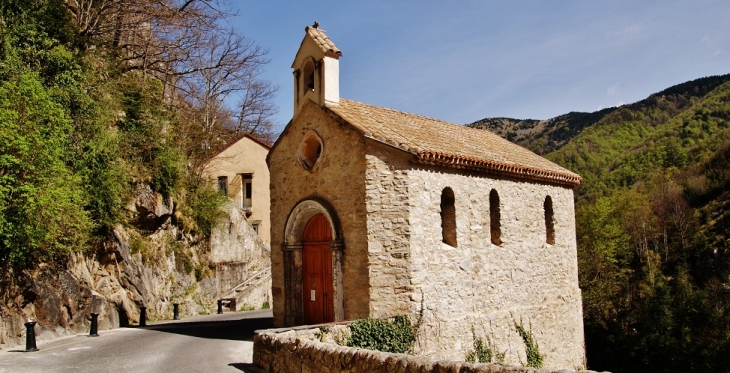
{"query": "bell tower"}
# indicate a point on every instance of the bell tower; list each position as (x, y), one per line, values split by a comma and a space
(316, 69)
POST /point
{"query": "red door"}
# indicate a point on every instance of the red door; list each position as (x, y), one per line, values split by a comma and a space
(317, 271)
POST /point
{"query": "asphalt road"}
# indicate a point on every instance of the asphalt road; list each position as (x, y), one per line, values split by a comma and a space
(216, 343)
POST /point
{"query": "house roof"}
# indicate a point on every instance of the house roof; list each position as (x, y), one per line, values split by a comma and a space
(328, 47)
(444, 144)
(237, 139)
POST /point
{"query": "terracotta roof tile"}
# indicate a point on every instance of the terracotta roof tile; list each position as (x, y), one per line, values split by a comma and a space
(327, 46)
(446, 144)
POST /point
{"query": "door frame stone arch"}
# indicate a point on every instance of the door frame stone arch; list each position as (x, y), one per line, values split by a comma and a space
(292, 247)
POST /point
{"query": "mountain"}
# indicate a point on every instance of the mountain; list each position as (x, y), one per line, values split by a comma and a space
(541, 136)
(676, 127)
(652, 223)
(549, 135)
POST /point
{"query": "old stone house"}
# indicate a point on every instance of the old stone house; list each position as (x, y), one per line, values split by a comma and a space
(240, 244)
(239, 171)
(376, 211)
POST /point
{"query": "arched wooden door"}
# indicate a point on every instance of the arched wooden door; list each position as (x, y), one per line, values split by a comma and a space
(317, 271)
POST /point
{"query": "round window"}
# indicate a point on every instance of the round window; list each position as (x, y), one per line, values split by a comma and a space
(310, 150)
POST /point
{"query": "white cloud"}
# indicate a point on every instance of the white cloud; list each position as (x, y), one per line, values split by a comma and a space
(612, 89)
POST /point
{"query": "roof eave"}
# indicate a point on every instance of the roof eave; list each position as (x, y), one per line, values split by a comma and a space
(236, 139)
(522, 172)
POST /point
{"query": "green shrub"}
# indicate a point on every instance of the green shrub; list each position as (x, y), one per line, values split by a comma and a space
(183, 259)
(321, 333)
(397, 335)
(167, 170)
(202, 271)
(41, 199)
(203, 204)
(183, 263)
(139, 245)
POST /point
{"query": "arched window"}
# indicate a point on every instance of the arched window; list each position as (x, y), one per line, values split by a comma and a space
(549, 225)
(448, 217)
(308, 77)
(494, 217)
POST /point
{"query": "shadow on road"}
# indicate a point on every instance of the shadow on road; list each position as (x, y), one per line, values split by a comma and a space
(236, 330)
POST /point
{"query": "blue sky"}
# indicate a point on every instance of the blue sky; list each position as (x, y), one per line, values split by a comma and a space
(461, 61)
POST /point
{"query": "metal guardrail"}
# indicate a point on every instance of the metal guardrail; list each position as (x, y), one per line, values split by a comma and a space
(232, 292)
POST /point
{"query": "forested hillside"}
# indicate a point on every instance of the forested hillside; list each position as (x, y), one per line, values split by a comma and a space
(99, 96)
(541, 136)
(108, 111)
(653, 216)
(546, 136)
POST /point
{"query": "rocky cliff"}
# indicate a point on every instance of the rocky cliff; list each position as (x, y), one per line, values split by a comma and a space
(150, 263)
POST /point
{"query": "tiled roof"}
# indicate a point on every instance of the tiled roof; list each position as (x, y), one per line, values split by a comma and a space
(327, 46)
(440, 143)
(237, 139)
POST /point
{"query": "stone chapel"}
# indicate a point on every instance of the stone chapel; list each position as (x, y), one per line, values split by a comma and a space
(375, 212)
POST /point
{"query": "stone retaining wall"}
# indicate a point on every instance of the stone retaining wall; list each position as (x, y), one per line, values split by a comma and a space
(295, 350)
(238, 254)
(233, 240)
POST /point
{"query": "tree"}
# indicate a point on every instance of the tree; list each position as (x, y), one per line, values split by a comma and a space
(603, 256)
(227, 69)
(41, 200)
(209, 71)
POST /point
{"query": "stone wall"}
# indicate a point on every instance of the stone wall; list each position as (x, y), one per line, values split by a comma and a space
(287, 350)
(389, 232)
(255, 293)
(233, 240)
(491, 287)
(239, 254)
(338, 181)
(475, 285)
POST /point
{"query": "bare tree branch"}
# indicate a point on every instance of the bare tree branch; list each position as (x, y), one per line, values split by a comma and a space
(210, 72)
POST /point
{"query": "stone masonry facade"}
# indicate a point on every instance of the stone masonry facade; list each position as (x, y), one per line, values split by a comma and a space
(338, 181)
(477, 284)
(393, 255)
(389, 234)
(470, 229)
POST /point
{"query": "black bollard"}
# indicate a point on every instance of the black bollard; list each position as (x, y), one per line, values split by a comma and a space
(30, 336)
(94, 325)
(220, 306)
(175, 312)
(143, 316)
